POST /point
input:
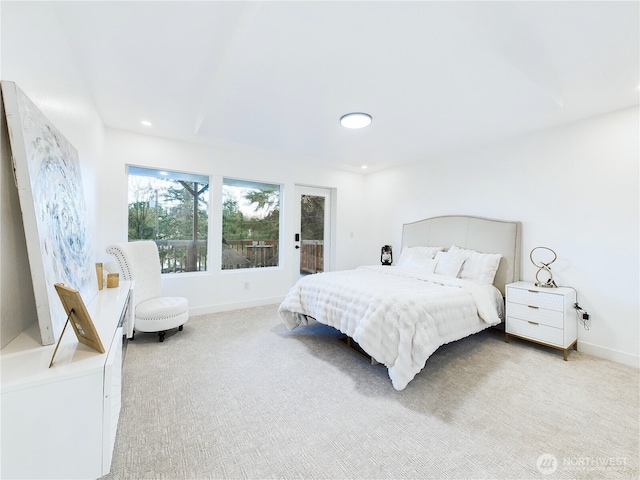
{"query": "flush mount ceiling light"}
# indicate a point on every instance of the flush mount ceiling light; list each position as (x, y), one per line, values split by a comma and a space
(146, 123)
(355, 120)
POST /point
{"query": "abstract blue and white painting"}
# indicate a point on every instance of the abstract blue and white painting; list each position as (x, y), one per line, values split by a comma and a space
(54, 214)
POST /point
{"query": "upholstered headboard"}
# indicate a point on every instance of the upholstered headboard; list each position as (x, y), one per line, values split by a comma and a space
(484, 235)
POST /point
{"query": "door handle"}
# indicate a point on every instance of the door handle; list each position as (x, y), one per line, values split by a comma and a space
(297, 246)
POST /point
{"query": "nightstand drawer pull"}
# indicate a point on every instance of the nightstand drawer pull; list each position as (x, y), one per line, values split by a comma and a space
(540, 315)
(548, 300)
(532, 323)
(533, 291)
(539, 333)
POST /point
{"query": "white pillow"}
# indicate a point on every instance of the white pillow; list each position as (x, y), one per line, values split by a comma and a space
(449, 263)
(479, 267)
(411, 255)
(419, 264)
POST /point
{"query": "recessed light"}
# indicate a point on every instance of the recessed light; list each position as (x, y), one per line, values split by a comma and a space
(363, 167)
(355, 120)
(146, 123)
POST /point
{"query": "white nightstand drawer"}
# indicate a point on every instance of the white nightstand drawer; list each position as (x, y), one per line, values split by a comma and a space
(535, 298)
(552, 318)
(535, 331)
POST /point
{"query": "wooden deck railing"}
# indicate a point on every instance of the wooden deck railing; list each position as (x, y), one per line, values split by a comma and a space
(312, 256)
(189, 256)
(250, 254)
(182, 255)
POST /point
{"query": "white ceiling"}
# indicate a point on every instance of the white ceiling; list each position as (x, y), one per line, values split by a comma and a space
(435, 76)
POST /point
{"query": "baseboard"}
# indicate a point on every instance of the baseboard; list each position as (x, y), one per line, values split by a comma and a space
(225, 307)
(609, 354)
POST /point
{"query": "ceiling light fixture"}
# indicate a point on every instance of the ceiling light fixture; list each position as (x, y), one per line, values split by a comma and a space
(146, 123)
(355, 120)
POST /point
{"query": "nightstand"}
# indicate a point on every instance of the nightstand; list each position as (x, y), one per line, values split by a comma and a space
(542, 315)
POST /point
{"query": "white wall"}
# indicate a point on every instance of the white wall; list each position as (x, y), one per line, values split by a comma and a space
(220, 290)
(36, 56)
(575, 190)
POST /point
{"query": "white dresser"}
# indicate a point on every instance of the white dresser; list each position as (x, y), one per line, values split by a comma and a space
(61, 422)
(542, 315)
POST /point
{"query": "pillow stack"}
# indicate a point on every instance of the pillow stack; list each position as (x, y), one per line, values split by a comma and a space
(456, 262)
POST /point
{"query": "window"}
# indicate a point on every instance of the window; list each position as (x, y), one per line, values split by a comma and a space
(172, 209)
(250, 224)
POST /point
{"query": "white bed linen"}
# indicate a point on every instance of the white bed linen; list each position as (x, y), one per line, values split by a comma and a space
(397, 316)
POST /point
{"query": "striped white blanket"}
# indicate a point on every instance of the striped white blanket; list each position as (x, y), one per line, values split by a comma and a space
(398, 317)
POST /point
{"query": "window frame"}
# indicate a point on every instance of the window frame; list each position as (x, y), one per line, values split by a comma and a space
(238, 181)
(176, 175)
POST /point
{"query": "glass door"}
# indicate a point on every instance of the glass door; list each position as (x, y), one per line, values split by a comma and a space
(312, 230)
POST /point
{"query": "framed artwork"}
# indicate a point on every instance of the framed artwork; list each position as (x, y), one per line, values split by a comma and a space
(47, 174)
(79, 318)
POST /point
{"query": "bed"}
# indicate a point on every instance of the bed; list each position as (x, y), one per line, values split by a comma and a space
(447, 284)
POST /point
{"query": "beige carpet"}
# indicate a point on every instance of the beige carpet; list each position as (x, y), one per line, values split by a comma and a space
(237, 395)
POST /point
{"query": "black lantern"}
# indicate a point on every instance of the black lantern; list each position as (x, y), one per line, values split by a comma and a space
(386, 255)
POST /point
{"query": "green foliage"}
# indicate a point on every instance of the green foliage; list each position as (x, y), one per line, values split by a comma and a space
(140, 221)
(165, 210)
(312, 217)
(267, 199)
(262, 225)
(232, 220)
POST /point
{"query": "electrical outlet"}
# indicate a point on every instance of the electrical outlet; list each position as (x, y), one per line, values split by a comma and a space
(246, 285)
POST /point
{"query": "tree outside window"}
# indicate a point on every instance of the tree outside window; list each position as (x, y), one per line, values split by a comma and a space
(250, 224)
(170, 208)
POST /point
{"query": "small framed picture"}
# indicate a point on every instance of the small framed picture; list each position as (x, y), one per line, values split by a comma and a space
(79, 317)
